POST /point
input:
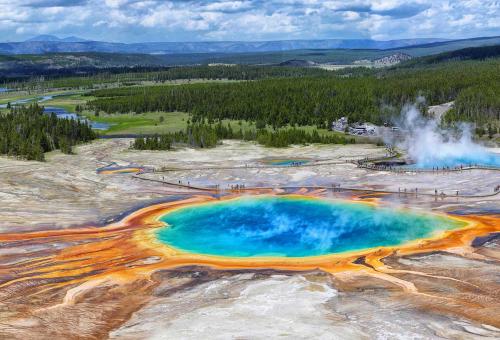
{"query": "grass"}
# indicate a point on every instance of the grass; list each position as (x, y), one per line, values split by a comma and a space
(149, 123)
(144, 123)
(67, 102)
(13, 96)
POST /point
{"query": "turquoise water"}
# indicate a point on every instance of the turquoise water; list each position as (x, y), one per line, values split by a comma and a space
(62, 113)
(489, 159)
(292, 227)
(287, 162)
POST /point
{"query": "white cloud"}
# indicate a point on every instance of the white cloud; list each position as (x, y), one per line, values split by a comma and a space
(154, 20)
(350, 15)
(229, 6)
(115, 3)
(384, 5)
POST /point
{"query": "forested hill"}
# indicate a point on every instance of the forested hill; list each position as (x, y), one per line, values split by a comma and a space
(122, 76)
(372, 96)
(471, 53)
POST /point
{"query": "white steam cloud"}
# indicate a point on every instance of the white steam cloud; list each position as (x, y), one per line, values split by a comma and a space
(429, 145)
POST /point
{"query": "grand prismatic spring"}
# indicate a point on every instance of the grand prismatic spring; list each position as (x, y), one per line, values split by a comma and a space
(293, 227)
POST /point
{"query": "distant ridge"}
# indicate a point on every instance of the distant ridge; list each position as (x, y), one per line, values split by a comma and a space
(495, 39)
(53, 38)
(50, 44)
(21, 66)
(470, 53)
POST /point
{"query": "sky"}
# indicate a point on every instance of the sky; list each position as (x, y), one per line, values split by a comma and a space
(247, 20)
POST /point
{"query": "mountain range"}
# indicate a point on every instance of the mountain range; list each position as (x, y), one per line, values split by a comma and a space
(53, 38)
(51, 44)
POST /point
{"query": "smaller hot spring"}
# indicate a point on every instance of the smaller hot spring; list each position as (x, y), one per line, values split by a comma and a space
(286, 162)
(113, 168)
(293, 226)
(477, 158)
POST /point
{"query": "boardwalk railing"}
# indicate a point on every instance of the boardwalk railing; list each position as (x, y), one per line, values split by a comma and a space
(333, 188)
(400, 169)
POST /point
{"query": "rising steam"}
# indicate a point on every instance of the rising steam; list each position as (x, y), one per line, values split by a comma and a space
(430, 145)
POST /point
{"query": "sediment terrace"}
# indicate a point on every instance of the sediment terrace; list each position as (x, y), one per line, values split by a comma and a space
(75, 244)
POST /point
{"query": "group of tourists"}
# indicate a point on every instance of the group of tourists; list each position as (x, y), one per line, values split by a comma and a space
(455, 168)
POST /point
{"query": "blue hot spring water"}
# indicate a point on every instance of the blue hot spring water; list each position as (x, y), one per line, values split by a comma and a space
(291, 226)
(482, 158)
(288, 162)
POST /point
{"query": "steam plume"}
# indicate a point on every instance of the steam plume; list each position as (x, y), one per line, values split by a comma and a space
(429, 145)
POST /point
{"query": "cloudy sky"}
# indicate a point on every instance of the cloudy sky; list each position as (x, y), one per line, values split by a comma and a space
(185, 20)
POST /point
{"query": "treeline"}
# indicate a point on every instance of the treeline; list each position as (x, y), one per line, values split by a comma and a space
(78, 77)
(479, 104)
(24, 73)
(158, 142)
(276, 102)
(27, 132)
(235, 72)
(198, 135)
(130, 76)
(202, 135)
(318, 101)
(285, 137)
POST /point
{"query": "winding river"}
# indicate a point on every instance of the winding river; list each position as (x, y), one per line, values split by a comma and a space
(60, 112)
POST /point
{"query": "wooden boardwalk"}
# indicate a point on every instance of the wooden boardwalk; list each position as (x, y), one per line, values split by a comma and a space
(408, 194)
(365, 163)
